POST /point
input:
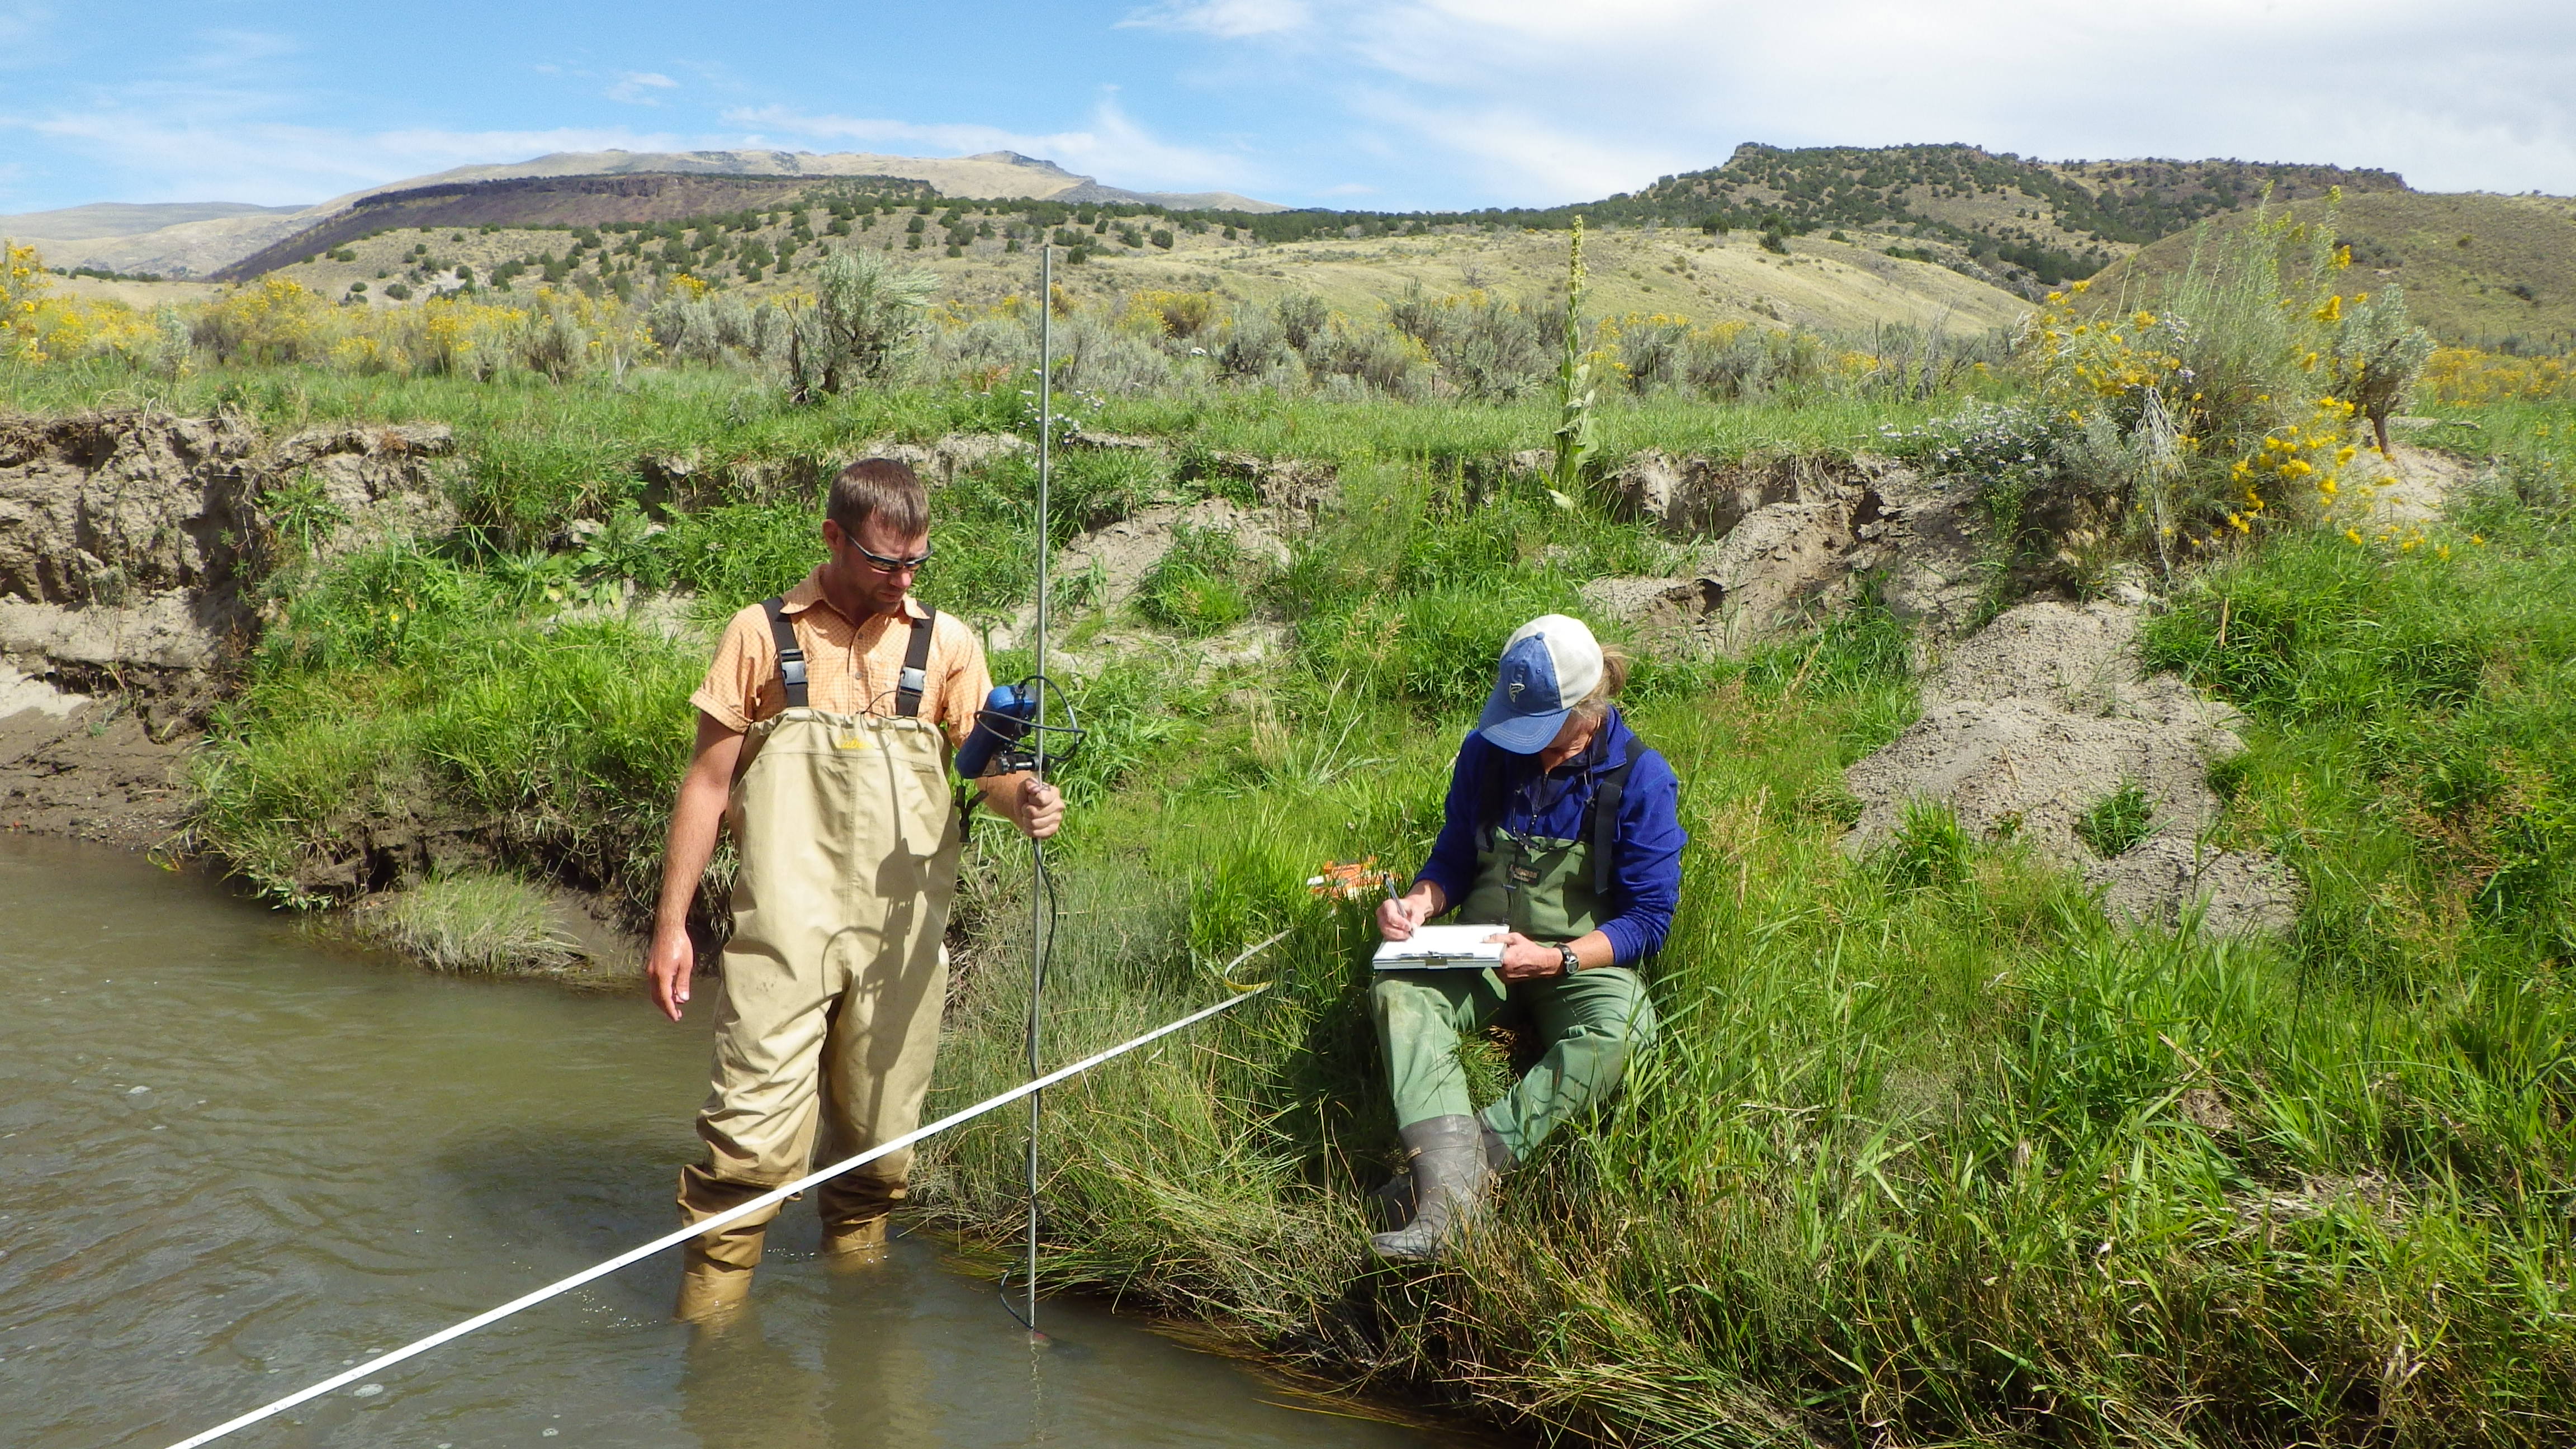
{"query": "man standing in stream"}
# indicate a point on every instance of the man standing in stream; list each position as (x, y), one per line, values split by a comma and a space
(824, 730)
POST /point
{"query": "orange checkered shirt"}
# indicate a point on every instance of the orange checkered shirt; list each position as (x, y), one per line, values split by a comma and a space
(849, 668)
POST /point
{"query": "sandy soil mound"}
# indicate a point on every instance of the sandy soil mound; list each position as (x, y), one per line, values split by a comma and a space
(2403, 490)
(2042, 716)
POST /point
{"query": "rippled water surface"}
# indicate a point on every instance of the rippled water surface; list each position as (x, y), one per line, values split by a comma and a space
(232, 1163)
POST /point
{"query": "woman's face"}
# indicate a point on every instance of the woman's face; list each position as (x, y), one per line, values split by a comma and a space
(1572, 738)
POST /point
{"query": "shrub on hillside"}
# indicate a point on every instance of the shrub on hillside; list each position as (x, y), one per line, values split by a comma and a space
(864, 327)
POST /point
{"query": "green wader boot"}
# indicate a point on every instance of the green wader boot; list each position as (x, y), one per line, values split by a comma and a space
(1450, 1180)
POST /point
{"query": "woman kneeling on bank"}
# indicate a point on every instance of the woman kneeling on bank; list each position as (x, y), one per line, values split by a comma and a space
(1562, 829)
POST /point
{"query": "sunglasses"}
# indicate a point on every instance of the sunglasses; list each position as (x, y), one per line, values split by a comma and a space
(885, 565)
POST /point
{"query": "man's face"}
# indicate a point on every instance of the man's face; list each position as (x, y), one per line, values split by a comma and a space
(878, 589)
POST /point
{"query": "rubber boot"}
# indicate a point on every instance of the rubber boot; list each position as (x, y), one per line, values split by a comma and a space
(1498, 1153)
(711, 1292)
(849, 1246)
(716, 1269)
(1391, 1206)
(1449, 1185)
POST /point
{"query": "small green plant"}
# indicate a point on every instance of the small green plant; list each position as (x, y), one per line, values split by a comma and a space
(1197, 587)
(2379, 354)
(302, 514)
(2117, 821)
(1931, 850)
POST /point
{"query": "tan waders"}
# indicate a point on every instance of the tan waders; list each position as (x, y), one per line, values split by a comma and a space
(1592, 1022)
(833, 979)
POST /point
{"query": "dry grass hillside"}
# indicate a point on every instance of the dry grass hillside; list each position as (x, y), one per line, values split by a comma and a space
(2486, 271)
(1838, 286)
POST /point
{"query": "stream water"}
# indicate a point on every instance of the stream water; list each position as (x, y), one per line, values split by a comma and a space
(232, 1163)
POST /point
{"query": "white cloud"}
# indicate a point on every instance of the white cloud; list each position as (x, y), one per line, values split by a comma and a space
(1545, 100)
(636, 87)
(278, 164)
(1225, 19)
(1115, 148)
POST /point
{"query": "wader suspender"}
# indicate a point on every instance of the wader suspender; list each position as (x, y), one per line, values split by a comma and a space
(1605, 821)
(908, 685)
(1601, 816)
(791, 660)
(916, 664)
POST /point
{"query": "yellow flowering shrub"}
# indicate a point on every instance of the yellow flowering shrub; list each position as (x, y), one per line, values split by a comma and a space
(1174, 314)
(40, 324)
(2468, 375)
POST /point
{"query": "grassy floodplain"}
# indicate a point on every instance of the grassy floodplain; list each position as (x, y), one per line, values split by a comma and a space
(1932, 1153)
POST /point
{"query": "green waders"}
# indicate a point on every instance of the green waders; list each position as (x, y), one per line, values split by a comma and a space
(1592, 1022)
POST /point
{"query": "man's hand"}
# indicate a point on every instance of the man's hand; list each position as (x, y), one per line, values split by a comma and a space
(1528, 960)
(694, 822)
(1398, 916)
(1037, 808)
(669, 963)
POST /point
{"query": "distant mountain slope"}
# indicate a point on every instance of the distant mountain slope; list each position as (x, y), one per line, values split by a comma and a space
(2481, 270)
(221, 242)
(982, 255)
(2049, 219)
(991, 175)
(559, 201)
(118, 218)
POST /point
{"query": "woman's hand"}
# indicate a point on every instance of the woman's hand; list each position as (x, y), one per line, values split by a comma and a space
(1528, 960)
(1399, 915)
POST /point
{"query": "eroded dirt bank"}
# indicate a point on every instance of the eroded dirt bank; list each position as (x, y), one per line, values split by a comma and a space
(131, 543)
(128, 544)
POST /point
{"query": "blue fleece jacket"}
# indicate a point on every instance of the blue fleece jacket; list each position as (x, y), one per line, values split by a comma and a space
(1646, 883)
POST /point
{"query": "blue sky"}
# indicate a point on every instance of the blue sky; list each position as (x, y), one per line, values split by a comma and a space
(1396, 104)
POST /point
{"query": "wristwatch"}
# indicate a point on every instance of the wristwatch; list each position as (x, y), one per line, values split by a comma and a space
(1565, 953)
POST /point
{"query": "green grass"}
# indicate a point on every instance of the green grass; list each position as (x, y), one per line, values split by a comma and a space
(470, 921)
(1202, 585)
(2117, 821)
(1931, 1152)
(2416, 731)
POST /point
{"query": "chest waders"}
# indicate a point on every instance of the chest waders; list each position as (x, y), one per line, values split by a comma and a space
(1549, 890)
(835, 974)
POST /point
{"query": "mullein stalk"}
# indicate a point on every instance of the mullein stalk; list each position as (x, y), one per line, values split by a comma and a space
(1573, 384)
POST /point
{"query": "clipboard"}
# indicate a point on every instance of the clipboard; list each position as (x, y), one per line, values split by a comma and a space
(1436, 948)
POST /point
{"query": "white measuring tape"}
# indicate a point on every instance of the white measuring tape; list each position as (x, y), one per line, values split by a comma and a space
(673, 1240)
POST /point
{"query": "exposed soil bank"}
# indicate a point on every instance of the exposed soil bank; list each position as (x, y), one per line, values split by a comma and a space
(129, 541)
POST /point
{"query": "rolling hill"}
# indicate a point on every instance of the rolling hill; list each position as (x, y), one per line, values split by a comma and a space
(2479, 270)
(119, 218)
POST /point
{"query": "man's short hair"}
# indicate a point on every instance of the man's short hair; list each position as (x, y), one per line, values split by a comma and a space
(882, 489)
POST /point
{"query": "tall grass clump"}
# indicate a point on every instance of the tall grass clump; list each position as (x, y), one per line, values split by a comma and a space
(471, 922)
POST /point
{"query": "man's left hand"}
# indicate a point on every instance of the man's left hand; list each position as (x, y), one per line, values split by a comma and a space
(1038, 809)
(1528, 960)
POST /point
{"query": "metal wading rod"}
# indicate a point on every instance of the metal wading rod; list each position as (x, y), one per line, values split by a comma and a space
(1040, 889)
(674, 1239)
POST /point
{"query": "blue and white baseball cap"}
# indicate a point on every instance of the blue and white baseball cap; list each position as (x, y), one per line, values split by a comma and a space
(1550, 665)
